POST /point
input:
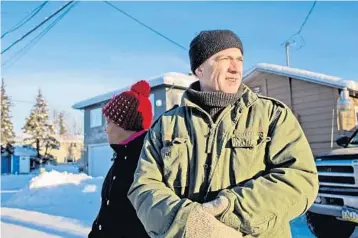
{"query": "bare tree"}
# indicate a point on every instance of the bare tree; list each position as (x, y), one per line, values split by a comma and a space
(77, 126)
(62, 128)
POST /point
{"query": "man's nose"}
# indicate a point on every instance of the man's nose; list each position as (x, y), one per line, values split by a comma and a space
(234, 66)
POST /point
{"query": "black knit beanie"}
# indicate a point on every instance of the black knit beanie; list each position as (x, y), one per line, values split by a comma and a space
(208, 43)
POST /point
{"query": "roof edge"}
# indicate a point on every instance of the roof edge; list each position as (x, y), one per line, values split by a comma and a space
(323, 79)
(174, 79)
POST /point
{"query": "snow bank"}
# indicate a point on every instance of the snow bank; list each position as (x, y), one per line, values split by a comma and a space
(55, 178)
(64, 194)
(70, 168)
(11, 184)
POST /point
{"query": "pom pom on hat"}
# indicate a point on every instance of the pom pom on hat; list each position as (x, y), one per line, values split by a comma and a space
(142, 88)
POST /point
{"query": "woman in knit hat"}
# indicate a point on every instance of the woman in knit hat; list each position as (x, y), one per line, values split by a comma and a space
(128, 117)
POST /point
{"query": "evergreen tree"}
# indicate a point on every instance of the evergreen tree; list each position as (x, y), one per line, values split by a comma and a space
(7, 128)
(39, 128)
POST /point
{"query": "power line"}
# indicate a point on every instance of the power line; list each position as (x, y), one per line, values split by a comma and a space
(22, 101)
(146, 26)
(35, 40)
(308, 15)
(302, 25)
(36, 27)
(32, 14)
(48, 104)
(291, 41)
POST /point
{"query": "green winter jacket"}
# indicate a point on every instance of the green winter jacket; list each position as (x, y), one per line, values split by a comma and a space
(255, 154)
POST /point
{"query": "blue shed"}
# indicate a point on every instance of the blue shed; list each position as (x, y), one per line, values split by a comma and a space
(19, 161)
(5, 163)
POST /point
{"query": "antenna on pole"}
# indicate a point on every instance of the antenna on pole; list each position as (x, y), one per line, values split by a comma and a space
(291, 40)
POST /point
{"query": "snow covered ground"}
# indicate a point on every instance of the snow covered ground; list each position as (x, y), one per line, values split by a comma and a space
(56, 203)
(61, 203)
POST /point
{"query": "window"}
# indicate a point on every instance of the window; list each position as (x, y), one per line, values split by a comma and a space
(96, 117)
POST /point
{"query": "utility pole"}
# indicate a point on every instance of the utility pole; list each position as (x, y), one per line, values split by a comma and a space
(287, 45)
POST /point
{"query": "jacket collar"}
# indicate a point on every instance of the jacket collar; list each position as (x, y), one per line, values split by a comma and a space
(247, 99)
(132, 137)
(133, 145)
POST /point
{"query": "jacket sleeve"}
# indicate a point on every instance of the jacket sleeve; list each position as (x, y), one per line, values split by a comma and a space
(161, 211)
(285, 191)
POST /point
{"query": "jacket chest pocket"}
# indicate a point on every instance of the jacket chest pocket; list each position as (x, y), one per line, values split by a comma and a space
(176, 165)
(248, 154)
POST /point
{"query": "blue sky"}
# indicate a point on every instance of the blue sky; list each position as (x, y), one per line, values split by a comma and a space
(95, 49)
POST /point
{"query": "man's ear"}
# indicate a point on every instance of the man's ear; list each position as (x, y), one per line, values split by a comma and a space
(199, 71)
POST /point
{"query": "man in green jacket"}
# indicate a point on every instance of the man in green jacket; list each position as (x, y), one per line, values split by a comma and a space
(227, 162)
